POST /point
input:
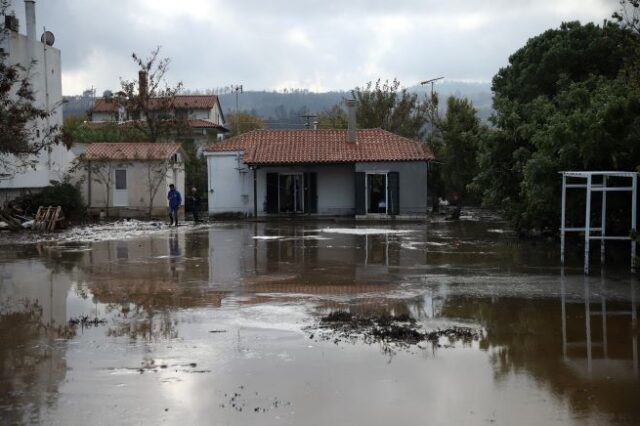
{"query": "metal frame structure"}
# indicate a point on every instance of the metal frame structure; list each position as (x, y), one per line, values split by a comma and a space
(602, 187)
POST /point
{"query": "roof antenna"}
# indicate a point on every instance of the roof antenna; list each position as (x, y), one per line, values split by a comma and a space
(308, 117)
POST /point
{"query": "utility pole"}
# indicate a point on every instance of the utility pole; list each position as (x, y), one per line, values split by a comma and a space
(430, 172)
(238, 89)
(432, 81)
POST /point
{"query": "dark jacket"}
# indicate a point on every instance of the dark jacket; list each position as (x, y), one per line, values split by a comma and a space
(194, 202)
(174, 199)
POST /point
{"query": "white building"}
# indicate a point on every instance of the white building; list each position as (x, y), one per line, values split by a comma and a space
(203, 115)
(47, 87)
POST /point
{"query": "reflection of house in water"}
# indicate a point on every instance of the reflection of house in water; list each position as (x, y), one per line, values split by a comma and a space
(33, 282)
(607, 344)
(149, 272)
(289, 258)
(228, 255)
(33, 314)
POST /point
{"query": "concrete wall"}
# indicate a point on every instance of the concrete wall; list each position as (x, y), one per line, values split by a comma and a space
(413, 183)
(230, 183)
(138, 192)
(47, 87)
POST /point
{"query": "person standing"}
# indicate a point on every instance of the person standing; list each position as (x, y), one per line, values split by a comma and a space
(194, 201)
(174, 203)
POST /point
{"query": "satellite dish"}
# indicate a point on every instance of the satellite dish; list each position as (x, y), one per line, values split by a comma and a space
(48, 38)
(108, 94)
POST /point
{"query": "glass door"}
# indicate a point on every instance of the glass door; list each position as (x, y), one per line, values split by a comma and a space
(377, 193)
(291, 193)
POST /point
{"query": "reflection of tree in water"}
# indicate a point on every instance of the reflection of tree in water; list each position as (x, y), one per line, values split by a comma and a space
(525, 336)
(146, 308)
(32, 363)
(140, 323)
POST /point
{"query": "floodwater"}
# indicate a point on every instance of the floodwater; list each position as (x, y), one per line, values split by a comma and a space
(213, 325)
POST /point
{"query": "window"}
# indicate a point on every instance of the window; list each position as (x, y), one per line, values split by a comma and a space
(121, 179)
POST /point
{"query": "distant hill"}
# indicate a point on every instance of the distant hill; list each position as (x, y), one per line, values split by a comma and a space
(286, 109)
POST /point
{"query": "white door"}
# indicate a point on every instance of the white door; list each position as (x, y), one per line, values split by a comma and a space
(120, 188)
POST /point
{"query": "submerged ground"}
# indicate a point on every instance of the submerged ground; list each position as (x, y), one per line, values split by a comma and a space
(218, 324)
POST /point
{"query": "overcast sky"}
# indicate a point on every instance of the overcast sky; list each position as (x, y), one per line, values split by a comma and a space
(315, 44)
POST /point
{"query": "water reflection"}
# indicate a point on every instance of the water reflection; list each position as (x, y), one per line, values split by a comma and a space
(168, 295)
(33, 333)
(591, 351)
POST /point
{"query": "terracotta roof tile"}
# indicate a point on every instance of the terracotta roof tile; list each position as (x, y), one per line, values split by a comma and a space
(180, 102)
(199, 123)
(196, 123)
(131, 151)
(323, 146)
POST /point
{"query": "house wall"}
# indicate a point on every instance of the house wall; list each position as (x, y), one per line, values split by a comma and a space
(336, 187)
(103, 116)
(138, 192)
(231, 185)
(47, 89)
(412, 183)
(199, 114)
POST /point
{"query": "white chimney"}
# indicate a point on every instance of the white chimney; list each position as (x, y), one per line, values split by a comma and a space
(351, 121)
(30, 12)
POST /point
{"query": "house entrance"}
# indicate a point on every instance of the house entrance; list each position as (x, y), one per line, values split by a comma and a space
(377, 193)
(120, 188)
(291, 193)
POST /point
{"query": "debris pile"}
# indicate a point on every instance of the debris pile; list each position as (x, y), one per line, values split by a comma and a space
(386, 328)
(48, 218)
(15, 219)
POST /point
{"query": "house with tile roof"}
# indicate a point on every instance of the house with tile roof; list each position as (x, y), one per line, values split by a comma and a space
(131, 179)
(203, 114)
(366, 173)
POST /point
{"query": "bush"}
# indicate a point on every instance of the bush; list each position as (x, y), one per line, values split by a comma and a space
(61, 194)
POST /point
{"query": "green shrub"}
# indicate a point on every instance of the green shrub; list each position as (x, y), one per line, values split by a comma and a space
(61, 194)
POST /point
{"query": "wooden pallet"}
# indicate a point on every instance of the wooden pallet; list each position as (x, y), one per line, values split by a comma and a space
(47, 218)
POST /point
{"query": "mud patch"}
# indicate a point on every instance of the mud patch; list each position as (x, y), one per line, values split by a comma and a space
(251, 401)
(85, 321)
(401, 330)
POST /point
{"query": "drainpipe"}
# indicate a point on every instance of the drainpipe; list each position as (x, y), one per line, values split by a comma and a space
(426, 192)
(89, 187)
(255, 192)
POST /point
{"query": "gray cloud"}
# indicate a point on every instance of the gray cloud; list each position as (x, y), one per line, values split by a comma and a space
(314, 44)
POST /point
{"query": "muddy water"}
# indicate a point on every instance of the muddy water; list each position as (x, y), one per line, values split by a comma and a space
(210, 325)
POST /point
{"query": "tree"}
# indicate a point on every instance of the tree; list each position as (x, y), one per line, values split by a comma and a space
(150, 100)
(561, 104)
(24, 131)
(81, 132)
(461, 136)
(242, 122)
(195, 167)
(156, 174)
(333, 118)
(628, 16)
(385, 105)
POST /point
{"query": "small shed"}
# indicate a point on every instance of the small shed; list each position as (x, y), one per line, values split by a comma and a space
(131, 179)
